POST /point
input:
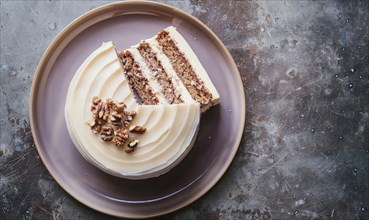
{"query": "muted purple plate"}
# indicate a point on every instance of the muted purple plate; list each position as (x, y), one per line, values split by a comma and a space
(126, 23)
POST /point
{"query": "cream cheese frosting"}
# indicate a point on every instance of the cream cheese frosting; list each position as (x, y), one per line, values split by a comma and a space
(171, 129)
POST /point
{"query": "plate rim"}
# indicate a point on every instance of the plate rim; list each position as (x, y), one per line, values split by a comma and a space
(39, 73)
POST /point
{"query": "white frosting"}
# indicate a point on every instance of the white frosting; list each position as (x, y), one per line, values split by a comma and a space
(179, 87)
(183, 46)
(171, 129)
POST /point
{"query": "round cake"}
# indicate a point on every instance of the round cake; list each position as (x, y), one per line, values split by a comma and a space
(133, 113)
(171, 129)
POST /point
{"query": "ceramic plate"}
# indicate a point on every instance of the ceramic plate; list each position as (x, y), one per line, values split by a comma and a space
(126, 23)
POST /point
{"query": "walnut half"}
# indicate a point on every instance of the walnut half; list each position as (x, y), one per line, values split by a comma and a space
(138, 129)
(121, 136)
(107, 133)
(131, 146)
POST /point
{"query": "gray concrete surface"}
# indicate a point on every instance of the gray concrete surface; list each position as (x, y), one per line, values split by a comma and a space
(305, 150)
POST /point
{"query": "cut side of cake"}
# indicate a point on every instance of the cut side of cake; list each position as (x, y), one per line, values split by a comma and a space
(175, 72)
(140, 79)
(171, 93)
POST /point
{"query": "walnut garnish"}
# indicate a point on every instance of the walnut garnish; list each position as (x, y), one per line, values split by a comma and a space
(119, 107)
(111, 120)
(101, 111)
(121, 136)
(94, 125)
(133, 143)
(110, 102)
(96, 100)
(96, 106)
(116, 118)
(106, 114)
(132, 146)
(128, 120)
(107, 133)
(138, 129)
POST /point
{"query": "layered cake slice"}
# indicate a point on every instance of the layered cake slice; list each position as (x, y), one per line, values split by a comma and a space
(165, 70)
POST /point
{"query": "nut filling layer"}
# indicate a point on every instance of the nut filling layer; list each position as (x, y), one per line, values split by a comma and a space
(159, 73)
(137, 81)
(184, 69)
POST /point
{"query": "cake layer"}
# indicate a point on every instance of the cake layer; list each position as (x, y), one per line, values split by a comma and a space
(171, 129)
(188, 67)
(160, 74)
(179, 87)
(137, 79)
(184, 70)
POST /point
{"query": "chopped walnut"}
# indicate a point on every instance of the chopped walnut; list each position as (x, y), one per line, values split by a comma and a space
(128, 120)
(121, 136)
(111, 120)
(116, 118)
(96, 104)
(99, 109)
(119, 107)
(110, 102)
(123, 133)
(106, 114)
(96, 100)
(131, 146)
(107, 133)
(133, 143)
(94, 125)
(118, 141)
(138, 129)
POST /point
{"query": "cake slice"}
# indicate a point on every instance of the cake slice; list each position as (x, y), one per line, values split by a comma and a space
(188, 67)
(173, 70)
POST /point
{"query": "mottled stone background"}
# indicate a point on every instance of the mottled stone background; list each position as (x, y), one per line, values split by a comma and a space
(305, 150)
